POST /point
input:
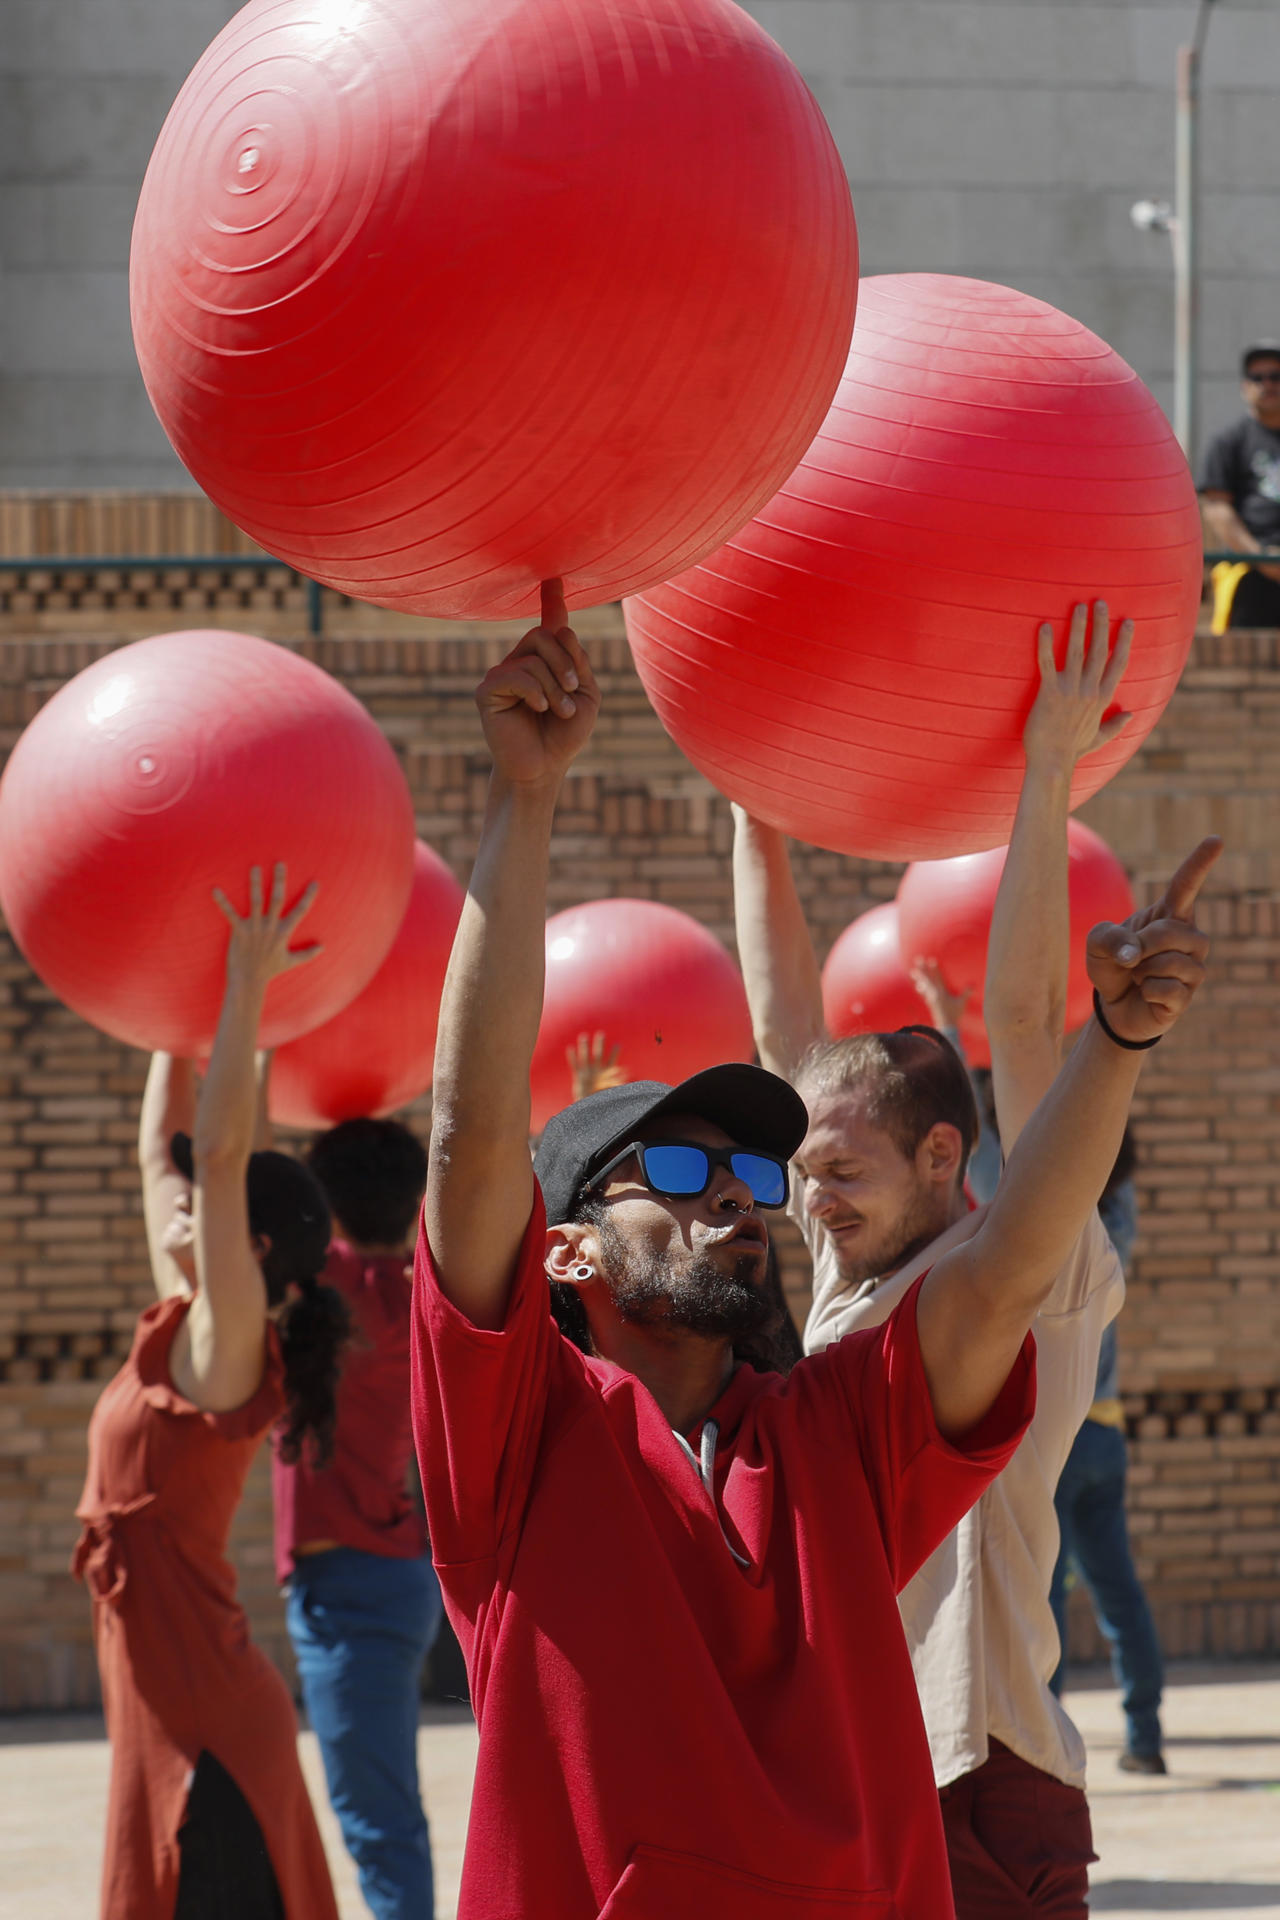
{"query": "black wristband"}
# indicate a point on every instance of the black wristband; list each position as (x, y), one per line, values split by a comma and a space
(1130, 1046)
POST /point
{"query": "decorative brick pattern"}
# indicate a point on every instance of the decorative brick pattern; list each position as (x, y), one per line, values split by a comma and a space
(1201, 1336)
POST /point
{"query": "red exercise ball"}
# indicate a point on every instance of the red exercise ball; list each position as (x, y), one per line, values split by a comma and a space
(651, 979)
(866, 987)
(377, 1054)
(944, 914)
(173, 766)
(439, 298)
(857, 664)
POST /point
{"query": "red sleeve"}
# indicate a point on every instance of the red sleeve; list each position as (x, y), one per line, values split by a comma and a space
(922, 1485)
(479, 1397)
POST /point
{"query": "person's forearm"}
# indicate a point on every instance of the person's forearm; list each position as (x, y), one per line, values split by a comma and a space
(1227, 528)
(492, 1000)
(1029, 948)
(1055, 1174)
(779, 966)
(168, 1106)
(264, 1137)
(227, 1110)
(480, 1183)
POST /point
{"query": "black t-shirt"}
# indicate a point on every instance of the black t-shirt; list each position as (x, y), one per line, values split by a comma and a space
(1244, 461)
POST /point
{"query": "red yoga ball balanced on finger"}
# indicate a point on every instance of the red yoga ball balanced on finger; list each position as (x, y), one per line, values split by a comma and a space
(378, 1053)
(866, 985)
(856, 666)
(438, 299)
(174, 766)
(944, 914)
(652, 980)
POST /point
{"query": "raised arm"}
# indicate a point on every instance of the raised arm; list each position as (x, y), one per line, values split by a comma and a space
(168, 1107)
(219, 1362)
(1024, 999)
(264, 1134)
(538, 708)
(779, 966)
(978, 1302)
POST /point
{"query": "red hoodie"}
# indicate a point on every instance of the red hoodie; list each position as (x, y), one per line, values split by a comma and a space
(694, 1700)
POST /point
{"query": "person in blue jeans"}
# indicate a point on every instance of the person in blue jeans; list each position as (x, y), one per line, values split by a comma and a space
(1095, 1534)
(363, 1602)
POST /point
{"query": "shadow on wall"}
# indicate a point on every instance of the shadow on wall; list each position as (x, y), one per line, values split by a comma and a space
(1180, 1896)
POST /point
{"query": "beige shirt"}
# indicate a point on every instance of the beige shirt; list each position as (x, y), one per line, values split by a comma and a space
(977, 1616)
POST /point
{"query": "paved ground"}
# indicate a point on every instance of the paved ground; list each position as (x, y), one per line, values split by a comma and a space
(1203, 1842)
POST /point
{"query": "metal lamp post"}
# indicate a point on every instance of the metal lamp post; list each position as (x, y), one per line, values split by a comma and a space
(1181, 223)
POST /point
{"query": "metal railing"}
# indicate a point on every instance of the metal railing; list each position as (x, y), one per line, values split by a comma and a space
(172, 562)
(242, 562)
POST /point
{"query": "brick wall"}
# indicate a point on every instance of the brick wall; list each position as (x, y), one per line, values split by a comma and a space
(1201, 1334)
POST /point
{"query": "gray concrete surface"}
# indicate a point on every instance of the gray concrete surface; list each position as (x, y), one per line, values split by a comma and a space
(1001, 138)
(1204, 1841)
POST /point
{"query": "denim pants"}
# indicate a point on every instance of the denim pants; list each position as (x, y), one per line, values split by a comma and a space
(361, 1626)
(1090, 1503)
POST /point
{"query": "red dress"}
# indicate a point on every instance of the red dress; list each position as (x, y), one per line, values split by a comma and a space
(180, 1674)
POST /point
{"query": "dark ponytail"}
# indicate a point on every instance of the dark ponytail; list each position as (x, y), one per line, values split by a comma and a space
(313, 1328)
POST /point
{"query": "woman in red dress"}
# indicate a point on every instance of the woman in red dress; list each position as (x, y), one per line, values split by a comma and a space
(208, 1817)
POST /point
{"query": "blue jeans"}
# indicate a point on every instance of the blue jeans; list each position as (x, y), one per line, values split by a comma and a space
(361, 1626)
(1090, 1503)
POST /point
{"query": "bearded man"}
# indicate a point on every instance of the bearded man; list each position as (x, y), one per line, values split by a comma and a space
(672, 1575)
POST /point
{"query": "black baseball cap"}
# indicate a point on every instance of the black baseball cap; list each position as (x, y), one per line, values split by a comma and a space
(286, 1203)
(755, 1108)
(1260, 350)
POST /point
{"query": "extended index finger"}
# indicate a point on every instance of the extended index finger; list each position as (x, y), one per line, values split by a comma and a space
(554, 613)
(1184, 888)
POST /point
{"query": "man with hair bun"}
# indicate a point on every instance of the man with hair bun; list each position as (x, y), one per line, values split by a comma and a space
(351, 1546)
(879, 1193)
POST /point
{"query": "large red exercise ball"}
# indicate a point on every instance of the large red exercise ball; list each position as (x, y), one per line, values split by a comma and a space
(857, 664)
(944, 914)
(660, 988)
(866, 987)
(377, 1054)
(439, 298)
(173, 766)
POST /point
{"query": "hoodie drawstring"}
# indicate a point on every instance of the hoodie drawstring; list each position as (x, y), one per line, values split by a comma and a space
(705, 1470)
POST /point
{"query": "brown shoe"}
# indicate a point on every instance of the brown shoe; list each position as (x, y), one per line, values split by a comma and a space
(1130, 1762)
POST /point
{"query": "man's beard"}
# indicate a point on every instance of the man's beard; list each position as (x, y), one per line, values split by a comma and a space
(910, 1234)
(698, 1295)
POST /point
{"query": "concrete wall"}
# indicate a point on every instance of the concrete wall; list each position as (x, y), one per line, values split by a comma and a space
(1002, 138)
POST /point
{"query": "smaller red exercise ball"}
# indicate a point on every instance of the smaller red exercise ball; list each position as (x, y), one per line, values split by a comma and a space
(377, 1054)
(651, 979)
(173, 766)
(944, 914)
(866, 987)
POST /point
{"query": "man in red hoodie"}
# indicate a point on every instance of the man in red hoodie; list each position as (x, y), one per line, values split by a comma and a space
(674, 1577)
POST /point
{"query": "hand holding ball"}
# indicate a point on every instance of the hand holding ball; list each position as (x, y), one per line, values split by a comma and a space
(377, 1054)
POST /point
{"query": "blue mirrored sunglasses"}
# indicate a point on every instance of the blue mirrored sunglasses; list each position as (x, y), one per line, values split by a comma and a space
(679, 1170)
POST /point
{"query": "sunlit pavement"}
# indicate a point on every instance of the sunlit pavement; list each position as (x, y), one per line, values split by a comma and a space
(1205, 1841)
